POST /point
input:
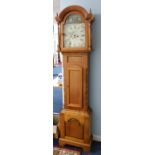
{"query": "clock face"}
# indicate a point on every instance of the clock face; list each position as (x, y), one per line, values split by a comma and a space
(74, 32)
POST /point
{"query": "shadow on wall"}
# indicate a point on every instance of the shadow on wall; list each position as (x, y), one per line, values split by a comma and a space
(95, 74)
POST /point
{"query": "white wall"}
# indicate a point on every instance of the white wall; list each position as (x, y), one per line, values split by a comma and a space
(95, 62)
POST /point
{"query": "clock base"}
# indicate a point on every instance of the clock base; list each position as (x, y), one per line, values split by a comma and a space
(85, 146)
(75, 128)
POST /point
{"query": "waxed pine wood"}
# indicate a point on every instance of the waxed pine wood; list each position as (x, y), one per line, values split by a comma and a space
(75, 118)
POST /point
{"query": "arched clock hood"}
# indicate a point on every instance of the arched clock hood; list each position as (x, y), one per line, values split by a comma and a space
(88, 16)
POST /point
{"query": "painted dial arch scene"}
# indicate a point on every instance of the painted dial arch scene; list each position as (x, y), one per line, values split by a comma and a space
(74, 32)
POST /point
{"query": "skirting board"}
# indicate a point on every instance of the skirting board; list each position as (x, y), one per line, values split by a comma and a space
(97, 138)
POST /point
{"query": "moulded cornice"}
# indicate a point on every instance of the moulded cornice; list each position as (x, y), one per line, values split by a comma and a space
(88, 16)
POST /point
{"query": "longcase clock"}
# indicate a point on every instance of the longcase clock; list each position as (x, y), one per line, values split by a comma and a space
(74, 42)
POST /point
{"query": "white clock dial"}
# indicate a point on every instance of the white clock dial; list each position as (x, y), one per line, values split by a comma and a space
(74, 35)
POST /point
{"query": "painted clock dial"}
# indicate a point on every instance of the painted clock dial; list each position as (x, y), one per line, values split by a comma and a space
(74, 32)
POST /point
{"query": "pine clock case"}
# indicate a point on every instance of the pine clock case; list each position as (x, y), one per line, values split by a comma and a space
(75, 118)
